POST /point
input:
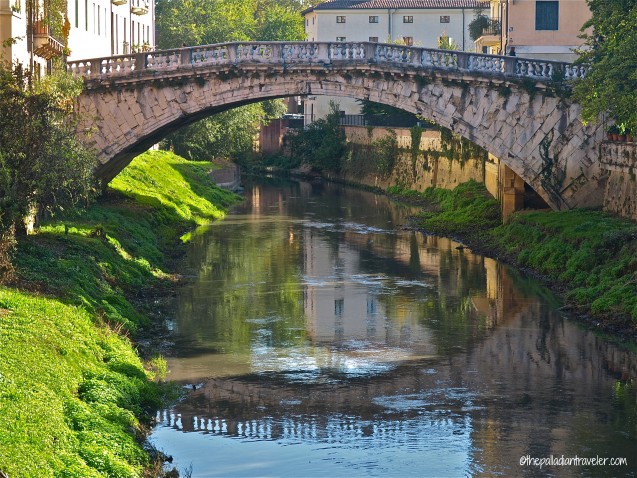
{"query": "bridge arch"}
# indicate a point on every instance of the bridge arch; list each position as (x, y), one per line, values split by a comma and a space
(503, 104)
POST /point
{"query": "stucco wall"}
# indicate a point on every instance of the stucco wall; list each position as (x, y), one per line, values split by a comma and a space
(548, 44)
(103, 29)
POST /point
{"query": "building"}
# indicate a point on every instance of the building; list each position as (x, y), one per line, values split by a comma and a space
(541, 29)
(410, 22)
(86, 29)
(110, 27)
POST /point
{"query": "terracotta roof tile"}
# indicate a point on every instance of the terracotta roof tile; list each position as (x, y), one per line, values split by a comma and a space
(421, 4)
(333, 5)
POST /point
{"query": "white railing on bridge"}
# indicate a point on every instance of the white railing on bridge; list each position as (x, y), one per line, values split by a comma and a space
(321, 53)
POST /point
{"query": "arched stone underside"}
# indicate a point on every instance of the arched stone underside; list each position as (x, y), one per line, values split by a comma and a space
(537, 134)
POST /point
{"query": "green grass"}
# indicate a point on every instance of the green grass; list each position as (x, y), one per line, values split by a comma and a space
(70, 395)
(73, 392)
(592, 253)
(463, 210)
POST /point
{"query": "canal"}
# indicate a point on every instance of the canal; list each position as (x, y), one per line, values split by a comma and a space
(318, 338)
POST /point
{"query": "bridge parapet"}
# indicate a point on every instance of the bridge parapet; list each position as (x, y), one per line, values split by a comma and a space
(321, 53)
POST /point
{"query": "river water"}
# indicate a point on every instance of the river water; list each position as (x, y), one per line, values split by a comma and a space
(317, 338)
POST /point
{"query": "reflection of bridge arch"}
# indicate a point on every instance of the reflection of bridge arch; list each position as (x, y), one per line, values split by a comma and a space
(132, 101)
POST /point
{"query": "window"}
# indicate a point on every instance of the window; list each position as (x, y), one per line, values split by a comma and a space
(445, 18)
(409, 41)
(408, 19)
(373, 19)
(307, 22)
(340, 18)
(373, 39)
(86, 14)
(340, 39)
(339, 307)
(546, 15)
(77, 13)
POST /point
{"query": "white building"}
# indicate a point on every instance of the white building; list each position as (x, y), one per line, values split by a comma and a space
(412, 22)
(110, 27)
(93, 28)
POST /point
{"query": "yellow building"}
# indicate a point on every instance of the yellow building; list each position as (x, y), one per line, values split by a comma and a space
(544, 29)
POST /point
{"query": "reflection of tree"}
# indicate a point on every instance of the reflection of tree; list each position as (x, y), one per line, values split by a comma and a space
(247, 280)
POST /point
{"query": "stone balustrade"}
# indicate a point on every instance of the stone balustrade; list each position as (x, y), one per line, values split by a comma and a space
(321, 53)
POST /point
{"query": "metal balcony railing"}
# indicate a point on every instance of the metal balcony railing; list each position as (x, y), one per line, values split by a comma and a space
(494, 27)
(393, 121)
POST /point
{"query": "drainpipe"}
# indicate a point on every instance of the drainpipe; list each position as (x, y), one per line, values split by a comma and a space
(506, 38)
(463, 31)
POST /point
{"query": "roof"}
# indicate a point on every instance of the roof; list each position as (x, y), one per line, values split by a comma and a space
(333, 5)
(384, 4)
(422, 4)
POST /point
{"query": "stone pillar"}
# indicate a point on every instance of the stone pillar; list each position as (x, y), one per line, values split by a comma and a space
(512, 191)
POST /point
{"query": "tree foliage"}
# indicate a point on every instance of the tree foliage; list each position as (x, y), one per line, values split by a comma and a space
(280, 23)
(477, 25)
(41, 161)
(223, 135)
(201, 22)
(322, 144)
(610, 48)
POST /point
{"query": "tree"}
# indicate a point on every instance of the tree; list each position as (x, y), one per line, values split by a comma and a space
(322, 145)
(223, 135)
(447, 43)
(610, 50)
(202, 22)
(42, 164)
(280, 23)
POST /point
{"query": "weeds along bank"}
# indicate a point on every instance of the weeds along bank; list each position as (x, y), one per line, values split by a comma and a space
(74, 394)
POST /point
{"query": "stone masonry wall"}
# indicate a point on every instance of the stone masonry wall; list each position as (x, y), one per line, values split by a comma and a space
(620, 196)
(428, 169)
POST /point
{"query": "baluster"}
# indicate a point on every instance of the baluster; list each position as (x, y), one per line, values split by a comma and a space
(501, 65)
(339, 51)
(360, 49)
(427, 57)
(378, 53)
(404, 57)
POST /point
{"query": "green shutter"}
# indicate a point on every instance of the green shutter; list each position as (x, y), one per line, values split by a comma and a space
(546, 15)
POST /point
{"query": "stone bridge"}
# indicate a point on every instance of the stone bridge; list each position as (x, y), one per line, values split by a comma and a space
(510, 106)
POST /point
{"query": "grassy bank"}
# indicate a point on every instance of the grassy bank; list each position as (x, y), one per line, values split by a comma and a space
(587, 254)
(74, 394)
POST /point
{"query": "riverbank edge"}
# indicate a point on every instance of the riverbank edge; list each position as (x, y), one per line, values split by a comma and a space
(85, 293)
(492, 241)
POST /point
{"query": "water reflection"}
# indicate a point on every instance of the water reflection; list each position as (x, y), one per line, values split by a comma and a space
(322, 340)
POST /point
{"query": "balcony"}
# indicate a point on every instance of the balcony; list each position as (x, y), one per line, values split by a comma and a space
(139, 9)
(45, 45)
(119, 2)
(493, 27)
(485, 31)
